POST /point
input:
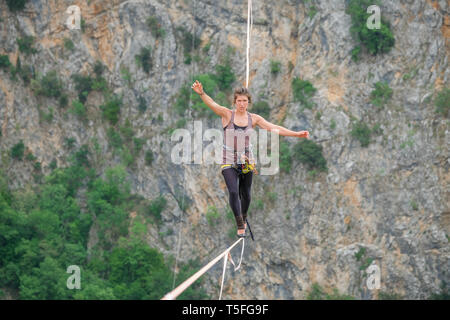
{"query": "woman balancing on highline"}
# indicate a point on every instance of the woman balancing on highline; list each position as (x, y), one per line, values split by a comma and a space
(238, 163)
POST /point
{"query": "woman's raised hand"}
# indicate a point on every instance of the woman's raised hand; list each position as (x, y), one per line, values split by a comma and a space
(303, 134)
(197, 87)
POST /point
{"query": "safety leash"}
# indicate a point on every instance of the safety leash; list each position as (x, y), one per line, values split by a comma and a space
(249, 229)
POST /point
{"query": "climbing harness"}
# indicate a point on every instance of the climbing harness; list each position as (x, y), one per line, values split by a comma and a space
(242, 168)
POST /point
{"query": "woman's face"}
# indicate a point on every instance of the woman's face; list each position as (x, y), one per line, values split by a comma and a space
(241, 103)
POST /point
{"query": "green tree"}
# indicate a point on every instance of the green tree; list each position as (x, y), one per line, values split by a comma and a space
(285, 157)
(262, 108)
(156, 207)
(224, 76)
(275, 67)
(138, 271)
(310, 153)
(303, 91)
(381, 94)
(361, 132)
(83, 85)
(47, 282)
(442, 102)
(4, 62)
(155, 27)
(49, 85)
(16, 5)
(111, 109)
(18, 150)
(374, 40)
(144, 59)
(26, 45)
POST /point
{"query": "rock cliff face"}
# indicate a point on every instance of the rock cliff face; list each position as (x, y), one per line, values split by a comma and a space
(387, 204)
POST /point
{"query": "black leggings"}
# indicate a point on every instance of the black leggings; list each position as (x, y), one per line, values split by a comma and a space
(239, 196)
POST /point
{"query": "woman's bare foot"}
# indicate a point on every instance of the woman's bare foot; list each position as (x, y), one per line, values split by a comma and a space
(241, 232)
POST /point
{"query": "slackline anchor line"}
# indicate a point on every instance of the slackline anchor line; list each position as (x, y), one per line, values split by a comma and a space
(172, 295)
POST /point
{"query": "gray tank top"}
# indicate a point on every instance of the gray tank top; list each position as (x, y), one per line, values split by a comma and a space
(236, 141)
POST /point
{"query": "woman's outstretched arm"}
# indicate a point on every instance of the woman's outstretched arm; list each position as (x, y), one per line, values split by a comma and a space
(219, 110)
(282, 131)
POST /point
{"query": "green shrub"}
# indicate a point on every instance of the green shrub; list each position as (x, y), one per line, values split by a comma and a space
(4, 62)
(99, 68)
(155, 27)
(312, 10)
(212, 84)
(68, 44)
(111, 109)
(212, 215)
(37, 166)
(316, 292)
(127, 130)
(126, 156)
(221, 99)
(69, 143)
(114, 138)
(182, 100)
(107, 199)
(361, 132)
(310, 154)
(48, 116)
(30, 157)
(262, 108)
(63, 100)
(49, 85)
(414, 205)
(361, 252)
(186, 94)
(389, 296)
(442, 102)
(156, 207)
(80, 158)
(376, 40)
(275, 67)
(224, 76)
(303, 90)
(26, 45)
(53, 165)
(26, 72)
(144, 59)
(149, 157)
(83, 85)
(16, 5)
(189, 42)
(78, 109)
(381, 94)
(207, 47)
(355, 53)
(443, 295)
(138, 144)
(318, 115)
(142, 106)
(285, 157)
(332, 124)
(18, 150)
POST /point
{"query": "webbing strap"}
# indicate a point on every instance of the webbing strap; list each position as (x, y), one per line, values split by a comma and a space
(249, 26)
(225, 259)
(178, 290)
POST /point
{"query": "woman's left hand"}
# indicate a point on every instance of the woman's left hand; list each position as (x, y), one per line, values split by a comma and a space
(303, 134)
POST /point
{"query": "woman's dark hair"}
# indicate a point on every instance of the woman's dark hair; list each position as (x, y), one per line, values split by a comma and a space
(242, 91)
